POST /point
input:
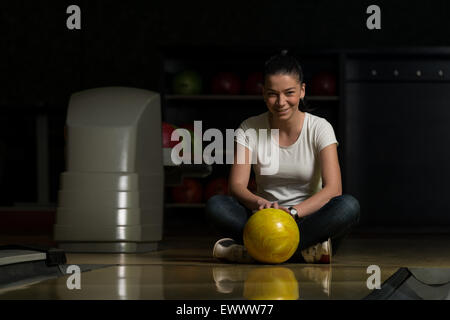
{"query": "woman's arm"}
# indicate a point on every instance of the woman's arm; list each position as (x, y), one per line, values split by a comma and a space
(239, 177)
(331, 179)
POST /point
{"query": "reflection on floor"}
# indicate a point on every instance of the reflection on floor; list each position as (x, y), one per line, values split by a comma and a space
(184, 269)
(206, 282)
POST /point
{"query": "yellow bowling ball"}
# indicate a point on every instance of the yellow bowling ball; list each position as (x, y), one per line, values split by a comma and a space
(271, 236)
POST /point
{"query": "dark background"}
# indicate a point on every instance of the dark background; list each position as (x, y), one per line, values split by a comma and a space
(123, 43)
(119, 42)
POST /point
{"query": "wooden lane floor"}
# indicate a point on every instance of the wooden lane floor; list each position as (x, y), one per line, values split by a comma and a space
(283, 282)
(184, 269)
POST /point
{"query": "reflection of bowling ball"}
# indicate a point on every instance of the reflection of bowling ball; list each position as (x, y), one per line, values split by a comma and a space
(271, 283)
(187, 82)
(216, 186)
(254, 83)
(226, 83)
(167, 130)
(271, 235)
(323, 84)
(190, 191)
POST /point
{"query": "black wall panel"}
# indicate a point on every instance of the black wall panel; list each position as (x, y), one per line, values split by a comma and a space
(398, 138)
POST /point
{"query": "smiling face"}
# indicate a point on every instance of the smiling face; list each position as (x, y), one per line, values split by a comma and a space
(282, 94)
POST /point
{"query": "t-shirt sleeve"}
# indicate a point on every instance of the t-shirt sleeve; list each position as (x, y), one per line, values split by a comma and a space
(242, 138)
(325, 135)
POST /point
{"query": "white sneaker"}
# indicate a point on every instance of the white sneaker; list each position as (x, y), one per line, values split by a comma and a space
(320, 275)
(319, 253)
(228, 250)
(227, 277)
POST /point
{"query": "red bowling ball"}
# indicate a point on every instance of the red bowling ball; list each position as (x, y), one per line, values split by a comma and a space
(254, 83)
(167, 130)
(226, 83)
(216, 186)
(190, 191)
(323, 84)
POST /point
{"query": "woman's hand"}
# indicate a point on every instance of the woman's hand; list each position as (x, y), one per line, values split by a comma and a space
(284, 209)
(264, 204)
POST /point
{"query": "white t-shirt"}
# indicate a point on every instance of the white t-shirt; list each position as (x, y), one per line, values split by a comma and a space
(298, 173)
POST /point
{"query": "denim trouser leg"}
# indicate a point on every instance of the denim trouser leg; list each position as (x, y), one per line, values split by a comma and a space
(334, 220)
(227, 216)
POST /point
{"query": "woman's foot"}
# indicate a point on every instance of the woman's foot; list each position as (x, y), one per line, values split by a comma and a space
(228, 250)
(319, 253)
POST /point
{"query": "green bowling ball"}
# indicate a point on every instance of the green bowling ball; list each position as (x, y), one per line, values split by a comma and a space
(187, 82)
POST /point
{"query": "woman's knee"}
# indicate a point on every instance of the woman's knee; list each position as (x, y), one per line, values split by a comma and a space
(217, 200)
(220, 207)
(215, 204)
(352, 207)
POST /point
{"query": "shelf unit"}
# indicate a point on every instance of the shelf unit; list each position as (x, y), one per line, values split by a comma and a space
(239, 97)
(228, 111)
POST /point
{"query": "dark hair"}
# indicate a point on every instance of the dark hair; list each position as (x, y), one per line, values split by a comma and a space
(283, 63)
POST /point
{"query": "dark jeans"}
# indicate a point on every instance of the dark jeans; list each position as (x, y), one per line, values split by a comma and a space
(334, 220)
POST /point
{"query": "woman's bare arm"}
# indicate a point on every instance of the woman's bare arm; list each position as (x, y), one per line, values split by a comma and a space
(239, 178)
(331, 179)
